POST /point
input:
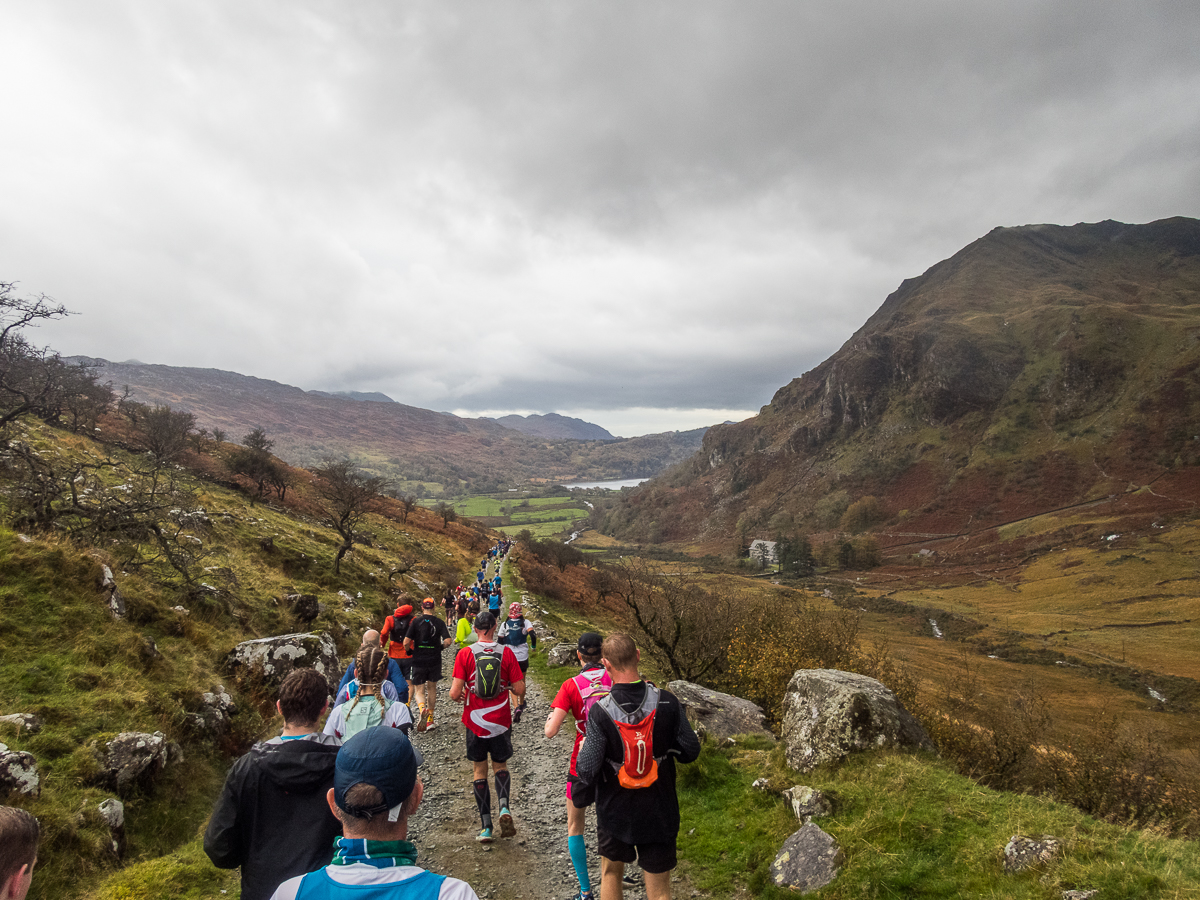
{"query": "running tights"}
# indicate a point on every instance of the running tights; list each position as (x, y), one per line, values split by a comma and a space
(578, 850)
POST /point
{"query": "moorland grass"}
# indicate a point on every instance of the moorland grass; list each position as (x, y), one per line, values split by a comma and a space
(909, 826)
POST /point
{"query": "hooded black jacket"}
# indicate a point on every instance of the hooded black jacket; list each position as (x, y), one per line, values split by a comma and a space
(272, 818)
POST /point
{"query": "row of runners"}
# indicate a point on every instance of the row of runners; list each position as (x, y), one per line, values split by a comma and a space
(273, 821)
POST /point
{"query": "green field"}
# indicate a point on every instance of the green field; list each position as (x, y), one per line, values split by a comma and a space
(511, 514)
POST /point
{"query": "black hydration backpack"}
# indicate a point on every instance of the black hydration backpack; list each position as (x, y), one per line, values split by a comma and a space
(487, 685)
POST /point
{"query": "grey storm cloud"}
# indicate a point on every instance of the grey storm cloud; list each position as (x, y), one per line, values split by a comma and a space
(539, 206)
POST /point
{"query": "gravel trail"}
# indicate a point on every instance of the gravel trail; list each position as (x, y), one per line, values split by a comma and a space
(534, 864)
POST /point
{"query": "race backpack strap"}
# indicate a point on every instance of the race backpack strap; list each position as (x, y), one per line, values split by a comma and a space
(638, 768)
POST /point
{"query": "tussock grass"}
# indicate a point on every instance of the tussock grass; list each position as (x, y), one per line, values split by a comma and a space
(909, 827)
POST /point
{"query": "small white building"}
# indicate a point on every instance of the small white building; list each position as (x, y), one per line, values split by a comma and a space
(764, 552)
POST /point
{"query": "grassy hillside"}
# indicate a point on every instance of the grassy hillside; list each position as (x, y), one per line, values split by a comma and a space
(89, 677)
(909, 825)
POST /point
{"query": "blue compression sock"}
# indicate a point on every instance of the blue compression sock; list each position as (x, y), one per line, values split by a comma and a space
(578, 850)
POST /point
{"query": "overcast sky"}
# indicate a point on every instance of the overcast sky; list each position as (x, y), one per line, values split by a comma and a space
(647, 214)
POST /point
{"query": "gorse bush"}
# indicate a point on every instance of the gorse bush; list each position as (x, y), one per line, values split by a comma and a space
(770, 643)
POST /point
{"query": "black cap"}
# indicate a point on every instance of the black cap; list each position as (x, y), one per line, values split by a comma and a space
(589, 643)
(485, 621)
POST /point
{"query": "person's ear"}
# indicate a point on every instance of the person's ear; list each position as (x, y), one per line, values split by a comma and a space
(332, 804)
(278, 708)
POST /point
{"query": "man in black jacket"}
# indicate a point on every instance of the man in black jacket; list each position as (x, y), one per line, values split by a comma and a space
(272, 818)
(637, 810)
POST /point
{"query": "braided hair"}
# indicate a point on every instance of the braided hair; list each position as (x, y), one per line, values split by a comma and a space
(370, 671)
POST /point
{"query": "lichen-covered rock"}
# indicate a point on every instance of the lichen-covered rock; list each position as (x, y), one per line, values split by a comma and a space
(828, 714)
(1087, 894)
(26, 722)
(112, 811)
(212, 718)
(1022, 852)
(116, 603)
(719, 715)
(562, 655)
(272, 659)
(808, 860)
(134, 759)
(19, 773)
(808, 803)
(545, 636)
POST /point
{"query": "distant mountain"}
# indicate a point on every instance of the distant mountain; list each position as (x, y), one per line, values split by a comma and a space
(1039, 367)
(552, 425)
(369, 396)
(415, 447)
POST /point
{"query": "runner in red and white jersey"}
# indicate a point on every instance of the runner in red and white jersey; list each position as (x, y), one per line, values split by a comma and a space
(488, 718)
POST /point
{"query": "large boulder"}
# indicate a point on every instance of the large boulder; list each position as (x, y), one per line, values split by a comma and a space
(827, 715)
(272, 659)
(808, 860)
(562, 655)
(134, 760)
(18, 773)
(718, 715)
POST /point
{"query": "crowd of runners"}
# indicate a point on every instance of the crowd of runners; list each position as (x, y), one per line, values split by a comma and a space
(323, 812)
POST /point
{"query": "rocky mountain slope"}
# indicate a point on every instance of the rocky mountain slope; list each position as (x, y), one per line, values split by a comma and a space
(1039, 367)
(424, 451)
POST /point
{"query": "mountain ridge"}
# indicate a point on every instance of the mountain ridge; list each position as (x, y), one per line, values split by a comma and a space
(1001, 382)
(417, 448)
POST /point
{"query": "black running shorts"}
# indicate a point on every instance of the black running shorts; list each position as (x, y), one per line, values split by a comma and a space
(499, 748)
(422, 672)
(653, 858)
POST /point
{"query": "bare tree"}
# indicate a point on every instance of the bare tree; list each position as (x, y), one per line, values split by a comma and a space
(447, 512)
(347, 495)
(408, 503)
(687, 626)
(37, 381)
(254, 461)
(164, 432)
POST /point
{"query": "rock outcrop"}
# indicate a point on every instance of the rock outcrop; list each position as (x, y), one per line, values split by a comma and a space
(18, 773)
(718, 715)
(562, 655)
(134, 760)
(810, 859)
(27, 722)
(212, 718)
(808, 803)
(1022, 852)
(272, 659)
(830, 714)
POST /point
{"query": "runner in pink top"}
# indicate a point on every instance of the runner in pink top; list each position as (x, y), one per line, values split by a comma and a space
(576, 696)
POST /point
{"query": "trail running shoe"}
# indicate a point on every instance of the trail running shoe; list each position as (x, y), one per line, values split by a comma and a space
(583, 895)
(507, 828)
(430, 724)
(630, 880)
(420, 719)
(485, 836)
(517, 714)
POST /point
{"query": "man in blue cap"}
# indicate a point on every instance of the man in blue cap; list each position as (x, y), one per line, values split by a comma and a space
(375, 792)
